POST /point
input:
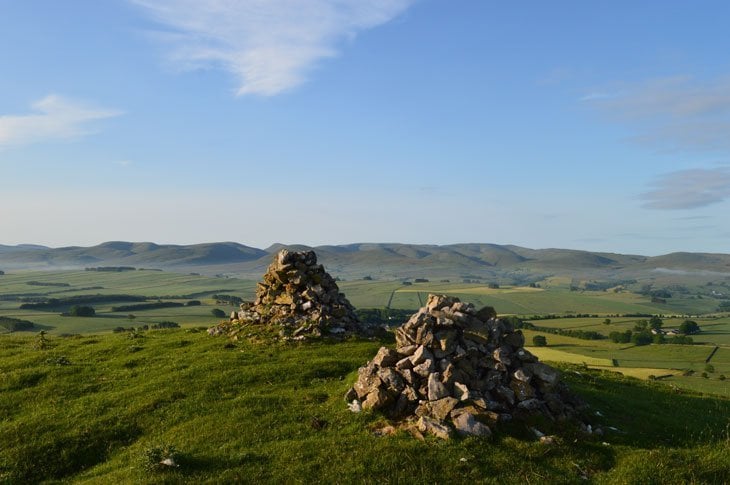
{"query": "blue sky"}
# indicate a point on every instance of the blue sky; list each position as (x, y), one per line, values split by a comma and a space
(600, 126)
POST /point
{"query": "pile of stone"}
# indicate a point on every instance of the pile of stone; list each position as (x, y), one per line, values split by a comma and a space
(456, 368)
(298, 295)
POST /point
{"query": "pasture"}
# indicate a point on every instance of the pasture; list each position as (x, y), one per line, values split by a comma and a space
(655, 360)
(273, 413)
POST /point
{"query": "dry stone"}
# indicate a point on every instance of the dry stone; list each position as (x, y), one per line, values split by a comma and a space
(456, 368)
(298, 295)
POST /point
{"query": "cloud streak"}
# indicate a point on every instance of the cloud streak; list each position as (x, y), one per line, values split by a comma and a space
(269, 45)
(689, 189)
(676, 113)
(53, 118)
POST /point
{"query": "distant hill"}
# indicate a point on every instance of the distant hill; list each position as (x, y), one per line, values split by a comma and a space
(120, 253)
(486, 262)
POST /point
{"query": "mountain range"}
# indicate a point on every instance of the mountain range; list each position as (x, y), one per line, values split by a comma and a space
(378, 260)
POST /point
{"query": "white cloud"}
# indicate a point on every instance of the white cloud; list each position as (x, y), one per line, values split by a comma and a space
(675, 113)
(269, 45)
(53, 118)
(689, 189)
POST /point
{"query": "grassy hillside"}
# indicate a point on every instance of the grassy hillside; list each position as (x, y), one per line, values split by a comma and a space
(687, 273)
(89, 409)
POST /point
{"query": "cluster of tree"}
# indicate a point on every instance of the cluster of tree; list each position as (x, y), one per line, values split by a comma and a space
(570, 315)
(642, 337)
(724, 306)
(647, 290)
(54, 303)
(153, 326)
(147, 306)
(130, 329)
(539, 341)
(160, 325)
(113, 269)
(193, 303)
(680, 340)
(81, 311)
(383, 315)
(581, 334)
(218, 313)
(15, 324)
(605, 285)
(406, 283)
(421, 280)
(228, 300)
(43, 283)
(2, 272)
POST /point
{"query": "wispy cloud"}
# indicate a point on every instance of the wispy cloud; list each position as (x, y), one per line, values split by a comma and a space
(269, 45)
(677, 113)
(689, 189)
(53, 118)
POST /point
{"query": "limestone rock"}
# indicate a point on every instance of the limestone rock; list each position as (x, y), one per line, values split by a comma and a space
(456, 366)
(298, 294)
(467, 425)
(430, 426)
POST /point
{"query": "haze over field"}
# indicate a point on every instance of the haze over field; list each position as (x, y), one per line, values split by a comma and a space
(546, 124)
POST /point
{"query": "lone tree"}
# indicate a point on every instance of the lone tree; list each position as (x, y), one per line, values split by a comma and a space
(82, 311)
(688, 327)
(656, 323)
(539, 341)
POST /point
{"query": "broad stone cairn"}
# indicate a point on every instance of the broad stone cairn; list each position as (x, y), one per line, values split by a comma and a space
(456, 368)
(300, 296)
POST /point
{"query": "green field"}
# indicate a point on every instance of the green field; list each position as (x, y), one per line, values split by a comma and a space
(661, 360)
(88, 409)
(167, 286)
(522, 300)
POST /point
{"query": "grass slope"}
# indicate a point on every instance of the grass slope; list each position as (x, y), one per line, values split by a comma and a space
(274, 413)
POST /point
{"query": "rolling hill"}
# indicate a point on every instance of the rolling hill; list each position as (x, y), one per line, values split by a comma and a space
(491, 262)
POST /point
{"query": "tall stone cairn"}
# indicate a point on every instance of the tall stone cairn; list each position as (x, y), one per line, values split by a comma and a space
(298, 295)
(456, 368)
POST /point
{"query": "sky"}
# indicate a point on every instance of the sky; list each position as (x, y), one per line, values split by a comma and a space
(602, 126)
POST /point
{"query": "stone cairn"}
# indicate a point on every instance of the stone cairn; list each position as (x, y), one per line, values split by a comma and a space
(298, 295)
(456, 368)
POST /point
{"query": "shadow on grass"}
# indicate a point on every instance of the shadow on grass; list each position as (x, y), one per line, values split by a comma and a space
(649, 414)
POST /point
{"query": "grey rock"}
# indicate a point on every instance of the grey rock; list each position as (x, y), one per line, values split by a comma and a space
(430, 426)
(421, 355)
(386, 357)
(467, 425)
(377, 399)
(436, 390)
(424, 369)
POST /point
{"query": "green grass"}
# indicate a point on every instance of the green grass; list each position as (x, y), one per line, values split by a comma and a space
(246, 413)
(368, 294)
(152, 284)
